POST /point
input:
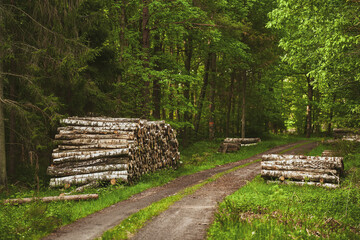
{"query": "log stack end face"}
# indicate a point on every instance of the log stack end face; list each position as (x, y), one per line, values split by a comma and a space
(300, 169)
(99, 148)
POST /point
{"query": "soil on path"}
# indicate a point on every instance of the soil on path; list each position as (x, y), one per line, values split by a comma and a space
(204, 201)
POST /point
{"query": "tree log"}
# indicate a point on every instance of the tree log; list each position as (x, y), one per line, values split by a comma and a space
(50, 199)
(85, 178)
(297, 163)
(301, 176)
(310, 168)
(317, 184)
(94, 136)
(106, 119)
(80, 142)
(92, 147)
(116, 152)
(242, 140)
(70, 171)
(120, 125)
(94, 162)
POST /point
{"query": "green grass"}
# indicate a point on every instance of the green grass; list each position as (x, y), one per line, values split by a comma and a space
(35, 220)
(271, 211)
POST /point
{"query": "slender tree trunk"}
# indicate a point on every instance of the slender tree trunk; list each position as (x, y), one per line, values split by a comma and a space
(12, 139)
(331, 115)
(212, 98)
(3, 176)
(228, 113)
(243, 119)
(156, 84)
(203, 92)
(309, 107)
(146, 47)
(188, 57)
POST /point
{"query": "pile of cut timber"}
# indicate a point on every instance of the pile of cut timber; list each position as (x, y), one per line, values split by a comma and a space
(347, 134)
(95, 148)
(234, 144)
(300, 169)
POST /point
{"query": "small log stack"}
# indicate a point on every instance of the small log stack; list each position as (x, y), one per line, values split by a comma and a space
(300, 169)
(234, 144)
(347, 134)
(96, 148)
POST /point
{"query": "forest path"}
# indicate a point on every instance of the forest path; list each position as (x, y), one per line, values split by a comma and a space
(196, 222)
(190, 217)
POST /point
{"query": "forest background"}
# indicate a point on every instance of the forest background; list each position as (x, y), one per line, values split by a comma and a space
(212, 69)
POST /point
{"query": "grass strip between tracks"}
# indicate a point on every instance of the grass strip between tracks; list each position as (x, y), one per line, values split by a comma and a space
(138, 220)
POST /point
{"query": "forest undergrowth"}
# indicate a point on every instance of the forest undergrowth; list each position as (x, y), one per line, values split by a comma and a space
(37, 219)
(271, 211)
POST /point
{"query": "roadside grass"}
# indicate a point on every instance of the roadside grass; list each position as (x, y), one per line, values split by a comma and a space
(35, 220)
(271, 211)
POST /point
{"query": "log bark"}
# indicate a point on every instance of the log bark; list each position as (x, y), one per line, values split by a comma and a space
(271, 166)
(94, 136)
(117, 152)
(297, 163)
(317, 184)
(242, 140)
(70, 171)
(80, 142)
(86, 178)
(300, 176)
(120, 125)
(51, 199)
(105, 119)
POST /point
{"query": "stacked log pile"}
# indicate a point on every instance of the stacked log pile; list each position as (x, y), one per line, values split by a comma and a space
(300, 169)
(95, 148)
(234, 144)
(347, 134)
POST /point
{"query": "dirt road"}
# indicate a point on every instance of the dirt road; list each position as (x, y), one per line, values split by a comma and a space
(191, 215)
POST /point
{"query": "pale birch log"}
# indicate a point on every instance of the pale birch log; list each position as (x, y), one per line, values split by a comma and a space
(301, 176)
(54, 198)
(84, 129)
(267, 166)
(70, 171)
(121, 125)
(242, 140)
(80, 142)
(92, 147)
(85, 178)
(73, 153)
(116, 152)
(94, 162)
(106, 119)
(317, 184)
(272, 157)
(314, 164)
(100, 132)
(93, 136)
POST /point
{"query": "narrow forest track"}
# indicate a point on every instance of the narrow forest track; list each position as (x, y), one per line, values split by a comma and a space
(191, 215)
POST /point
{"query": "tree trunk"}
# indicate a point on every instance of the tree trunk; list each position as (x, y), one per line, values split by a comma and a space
(187, 63)
(203, 92)
(212, 98)
(156, 84)
(309, 107)
(12, 126)
(228, 113)
(146, 61)
(243, 119)
(3, 177)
